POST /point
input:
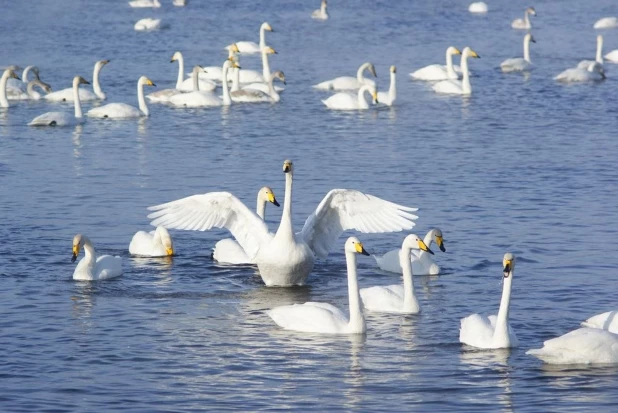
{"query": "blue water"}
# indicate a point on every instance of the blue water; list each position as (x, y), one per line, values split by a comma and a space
(524, 165)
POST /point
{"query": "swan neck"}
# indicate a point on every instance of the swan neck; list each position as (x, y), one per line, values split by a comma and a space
(77, 102)
(599, 57)
(450, 70)
(3, 100)
(356, 314)
(25, 73)
(226, 91)
(271, 87)
(181, 71)
(359, 73)
(409, 299)
(392, 90)
(285, 227)
(235, 79)
(265, 66)
(30, 88)
(141, 100)
(260, 208)
(196, 83)
(90, 256)
(362, 103)
(465, 82)
(502, 320)
(527, 49)
(527, 19)
(96, 86)
(262, 37)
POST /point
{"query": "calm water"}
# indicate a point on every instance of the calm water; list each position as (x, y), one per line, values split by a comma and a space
(524, 165)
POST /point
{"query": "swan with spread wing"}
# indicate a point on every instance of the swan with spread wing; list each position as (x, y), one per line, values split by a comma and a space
(285, 258)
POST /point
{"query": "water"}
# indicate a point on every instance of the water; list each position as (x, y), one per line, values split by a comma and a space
(524, 165)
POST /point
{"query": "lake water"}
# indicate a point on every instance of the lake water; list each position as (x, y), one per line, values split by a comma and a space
(524, 165)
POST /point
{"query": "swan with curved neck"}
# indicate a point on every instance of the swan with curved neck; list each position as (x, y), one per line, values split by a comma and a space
(493, 331)
(63, 118)
(525, 22)
(321, 13)
(247, 47)
(91, 267)
(388, 98)
(456, 87)
(347, 101)
(518, 64)
(6, 75)
(66, 95)
(593, 73)
(437, 71)
(33, 94)
(585, 64)
(154, 244)
(16, 89)
(198, 98)
(422, 263)
(123, 110)
(349, 82)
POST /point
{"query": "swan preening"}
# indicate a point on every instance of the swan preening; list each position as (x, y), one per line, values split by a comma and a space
(593, 73)
(91, 267)
(422, 262)
(313, 317)
(478, 7)
(397, 298)
(606, 23)
(145, 3)
(6, 75)
(519, 64)
(458, 87)
(494, 331)
(123, 110)
(246, 47)
(349, 101)
(348, 82)
(285, 258)
(321, 13)
(439, 72)
(388, 98)
(525, 22)
(147, 24)
(63, 118)
(198, 98)
(157, 243)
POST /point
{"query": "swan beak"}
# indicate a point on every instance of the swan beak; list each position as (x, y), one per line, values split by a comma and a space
(440, 243)
(375, 97)
(532, 40)
(234, 48)
(149, 82)
(272, 199)
(169, 251)
(14, 75)
(423, 247)
(507, 268)
(360, 249)
(75, 252)
(372, 69)
(287, 167)
(104, 62)
(457, 51)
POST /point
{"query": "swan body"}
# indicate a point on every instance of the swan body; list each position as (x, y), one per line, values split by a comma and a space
(439, 72)
(606, 321)
(321, 13)
(348, 101)
(581, 346)
(145, 3)
(256, 95)
(456, 87)
(147, 24)
(164, 95)
(612, 56)
(66, 95)
(584, 64)
(606, 23)
(17, 89)
(123, 110)
(313, 317)
(397, 298)
(422, 262)
(519, 64)
(478, 7)
(494, 331)
(198, 98)
(6, 75)
(91, 267)
(179, 3)
(285, 258)
(63, 118)
(348, 82)
(593, 73)
(524, 23)
(388, 98)
(246, 47)
(157, 243)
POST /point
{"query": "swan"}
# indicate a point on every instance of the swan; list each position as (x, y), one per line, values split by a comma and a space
(145, 3)
(63, 118)
(478, 7)
(179, 3)
(422, 263)
(525, 22)
(123, 110)
(612, 56)
(606, 321)
(66, 95)
(492, 332)
(314, 317)
(321, 13)
(147, 24)
(91, 267)
(285, 258)
(257, 95)
(29, 93)
(584, 64)
(518, 64)
(16, 89)
(201, 99)
(164, 95)
(246, 47)
(229, 251)
(348, 82)
(457, 87)
(581, 346)
(6, 75)
(437, 71)
(388, 98)
(397, 298)
(253, 76)
(266, 87)
(606, 23)
(157, 243)
(348, 101)
(593, 73)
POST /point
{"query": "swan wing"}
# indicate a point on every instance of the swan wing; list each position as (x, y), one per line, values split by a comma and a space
(53, 119)
(115, 110)
(229, 251)
(382, 299)
(214, 209)
(477, 331)
(584, 345)
(606, 321)
(309, 317)
(108, 267)
(345, 209)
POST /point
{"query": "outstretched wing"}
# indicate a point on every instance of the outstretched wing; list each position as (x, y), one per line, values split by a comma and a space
(344, 209)
(214, 209)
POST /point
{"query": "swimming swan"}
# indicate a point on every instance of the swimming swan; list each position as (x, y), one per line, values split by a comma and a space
(157, 243)
(606, 23)
(145, 3)
(248, 94)
(593, 73)
(66, 95)
(164, 95)
(458, 87)
(63, 118)
(91, 267)
(123, 110)
(246, 47)
(321, 13)
(228, 250)
(285, 258)
(253, 76)
(581, 346)
(269, 87)
(437, 71)
(203, 99)
(422, 263)
(492, 332)
(397, 298)
(606, 321)
(6, 75)
(584, 64)
(612, 56)
(518, 64)
(348, 101)
(17, 89)
(348, 82)
(388, 98)
(525, 22)
(33, 94)
(478, 7)
(314, 317)
(147, 24)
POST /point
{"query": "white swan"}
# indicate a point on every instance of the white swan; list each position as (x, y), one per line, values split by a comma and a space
(492, 332)
(123, 110)
(246, 47)
(202, 99)
(397, 298)
(519, 64)
(593, 73)
(63, 118)
(458, 87)
(249, 94)
(606, 23)
(388, 98)
(422, 263)
(16, 89)
(157, 243)
(349, 101)
(478, 7)
(581, 346)
(145, 3)
(314, 317)
(253, 76)
(321, 13)
(437, 71)
(6, 75)
(228, 250)
(179, 3)
(606, 321)
(348, 82)
(285, 258)
(147, 24)
(612, 56)
(66, 95)
(91, 267)
(164, 95)
(266, 87)
(29, 93)
(584, 64)
(525, 22)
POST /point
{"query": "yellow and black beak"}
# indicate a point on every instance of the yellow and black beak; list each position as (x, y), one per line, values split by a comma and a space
(272, 199)
(75, 252)
(287, 167)
(169, 251)
(360, 249)
(440, 243)
(508, 267)
(423, 247)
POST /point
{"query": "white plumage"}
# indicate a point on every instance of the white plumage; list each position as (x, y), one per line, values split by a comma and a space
(348, 82)
(91, 267)
(157, 243)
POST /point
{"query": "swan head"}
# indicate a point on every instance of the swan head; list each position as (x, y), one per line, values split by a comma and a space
(37, 82)
(508, 263)
(266, 26)
(438, 239)
(279, 75)
(288, 166)
(467, 51)
(166, 240)
(354, 245)
(531, 11)
(234, 48)
(102, 63)
(393, 69)
(269, 50)
(374, 96)
(372, 70)
(143, 80)
(413, 242)
(267, 194)
(529, 38)
(453, 50)
(79, 241)
(78, 80)
(11, 73)
(176, 56)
